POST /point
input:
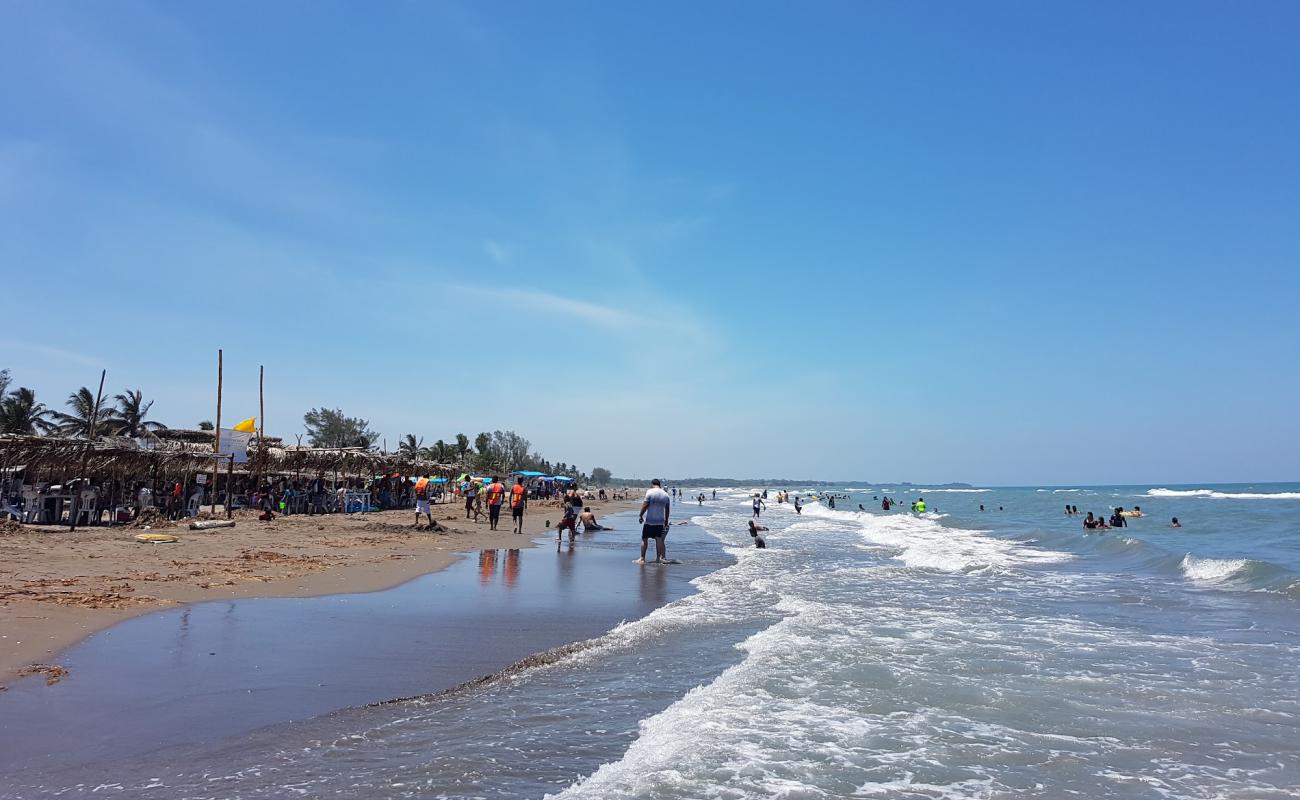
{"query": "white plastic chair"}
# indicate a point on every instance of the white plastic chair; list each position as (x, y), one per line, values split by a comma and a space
(33, 508)
(86, 508)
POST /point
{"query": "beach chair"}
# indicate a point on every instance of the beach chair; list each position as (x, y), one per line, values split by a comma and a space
(33, 508)
(10, 510)
(85, 508)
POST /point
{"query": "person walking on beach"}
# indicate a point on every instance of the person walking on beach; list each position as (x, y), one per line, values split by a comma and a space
(466, 492)
(496, 495)
(655, 512)
(478, 498)
(518, 502)
(422, 501)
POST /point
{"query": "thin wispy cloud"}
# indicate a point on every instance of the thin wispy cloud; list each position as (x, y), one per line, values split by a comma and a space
(48, 351)
(497, 251)
(534, 301)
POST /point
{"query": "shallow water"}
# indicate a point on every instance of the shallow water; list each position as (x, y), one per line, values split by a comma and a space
(960, 654)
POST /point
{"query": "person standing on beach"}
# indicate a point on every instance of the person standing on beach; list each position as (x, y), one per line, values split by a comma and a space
(655, 512)
(496, 495)
(518, 502)
(466, 486)
(422, 501)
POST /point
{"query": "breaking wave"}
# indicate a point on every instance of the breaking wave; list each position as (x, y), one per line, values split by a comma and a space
(1217, 495)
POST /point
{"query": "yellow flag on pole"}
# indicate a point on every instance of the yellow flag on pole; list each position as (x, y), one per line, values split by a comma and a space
(247, 426)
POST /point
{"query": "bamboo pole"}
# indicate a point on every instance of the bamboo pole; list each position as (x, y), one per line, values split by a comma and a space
(216, 439)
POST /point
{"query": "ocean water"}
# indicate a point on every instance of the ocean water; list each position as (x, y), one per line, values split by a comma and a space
(958, 654)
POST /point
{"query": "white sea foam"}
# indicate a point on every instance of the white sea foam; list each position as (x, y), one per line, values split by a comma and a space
(1217, 495)
(923, 542)
(952, 491)
(1212, 570)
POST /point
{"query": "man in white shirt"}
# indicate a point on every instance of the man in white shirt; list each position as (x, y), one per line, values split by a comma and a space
(654, 520)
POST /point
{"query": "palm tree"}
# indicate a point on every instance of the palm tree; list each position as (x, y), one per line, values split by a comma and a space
(409, 446)
(462, 445)
(128, 419)
(20, 413)
(83, 418)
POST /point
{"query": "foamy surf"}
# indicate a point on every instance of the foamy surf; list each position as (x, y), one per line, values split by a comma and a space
(1218, 495)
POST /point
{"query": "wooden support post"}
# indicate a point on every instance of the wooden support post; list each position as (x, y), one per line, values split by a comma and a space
(216, 439)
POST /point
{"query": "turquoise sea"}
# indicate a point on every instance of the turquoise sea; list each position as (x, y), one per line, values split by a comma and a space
(1004, 653)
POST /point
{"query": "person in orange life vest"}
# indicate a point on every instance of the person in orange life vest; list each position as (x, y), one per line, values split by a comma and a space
(422, 487)
(496, 495)
(518, 502)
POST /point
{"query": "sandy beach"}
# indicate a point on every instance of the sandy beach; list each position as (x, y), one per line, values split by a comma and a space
(57, 587)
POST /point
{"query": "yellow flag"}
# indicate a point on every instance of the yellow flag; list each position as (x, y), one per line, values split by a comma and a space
(247, 426)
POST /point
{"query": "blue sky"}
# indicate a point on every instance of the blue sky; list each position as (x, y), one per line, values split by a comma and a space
(998, 242)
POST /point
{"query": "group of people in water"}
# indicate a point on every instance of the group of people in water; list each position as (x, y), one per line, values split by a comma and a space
(655, 532)
(1118, 519)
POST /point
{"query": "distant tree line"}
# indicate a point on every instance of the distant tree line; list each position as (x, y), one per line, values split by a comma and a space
(127, 414)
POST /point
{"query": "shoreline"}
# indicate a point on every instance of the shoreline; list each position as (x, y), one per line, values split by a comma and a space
(266, 663)
(58, 588)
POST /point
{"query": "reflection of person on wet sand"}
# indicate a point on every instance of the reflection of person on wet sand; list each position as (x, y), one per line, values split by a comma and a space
(487, 565)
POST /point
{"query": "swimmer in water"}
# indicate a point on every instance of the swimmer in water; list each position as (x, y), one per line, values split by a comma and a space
(1175, 523)
(753, 531)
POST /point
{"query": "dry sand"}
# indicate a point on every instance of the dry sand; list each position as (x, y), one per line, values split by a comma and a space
(57, 587)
